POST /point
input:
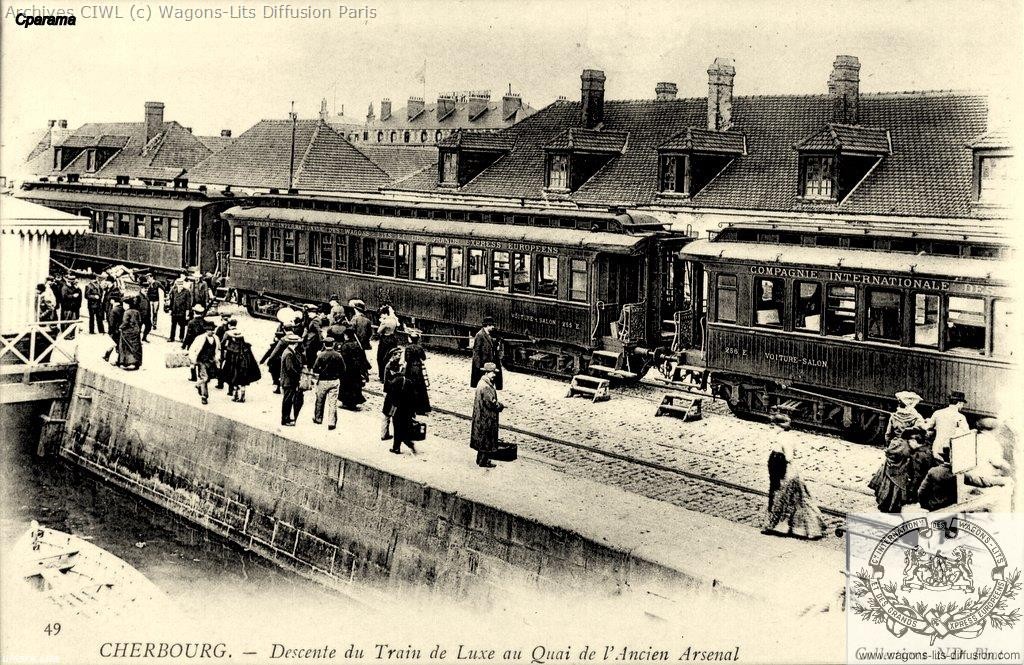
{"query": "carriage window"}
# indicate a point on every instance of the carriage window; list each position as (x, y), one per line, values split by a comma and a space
(725, 309)
(315, 248)
(288, 255)
(124, 224)
(521, 273)
(140, 226)
(326, 255)
(275, 244)
(807, 307)
(477, 269)
(499, 272)
(885, 315)
(355, 248)
(236, 241)
(455, 265)
(419, 255)
(386, 258)
(841, 312)
(252, 240)
(109, 219)
(965, 325)
(578, 280)
(438, 267)
(1002, 339)
(340, 252)
(173, 229)
(402, 259)
(369, 255)
(547, 276)
(156, 227)
(926, 319)
(264, 243)
(769, 299)
(301, 256)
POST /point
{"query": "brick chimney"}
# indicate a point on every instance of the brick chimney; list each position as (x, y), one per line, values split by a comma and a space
(844, 89)
(324, 113)
(445, 106)
(592, 97)
(154, 120)
(478, 103)
(414, 107)
(369, 113)
(225, 133)
(665, 91)
(510, 103)
(720, 77)
(385, 109)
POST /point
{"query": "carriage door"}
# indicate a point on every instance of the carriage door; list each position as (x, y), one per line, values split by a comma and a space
(677, 300)
(190, 240)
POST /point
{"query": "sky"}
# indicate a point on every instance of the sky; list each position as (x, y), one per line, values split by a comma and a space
(229, 73)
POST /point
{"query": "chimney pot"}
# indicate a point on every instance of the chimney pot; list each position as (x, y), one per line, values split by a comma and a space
(63, 124)
(592, 97)
(445, 106)
(414, 107)
(720, 79)
(844, 89)
(226, 133)
(51, 123)
(154, 120)
(665, 91)
(385, 109)
(510, 103)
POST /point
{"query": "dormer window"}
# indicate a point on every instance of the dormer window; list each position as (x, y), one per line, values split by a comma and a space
(464, 155)
(90, 160)
(837, 159)
(558, 172)
(993, 181)
(450, 168)
(690, 160)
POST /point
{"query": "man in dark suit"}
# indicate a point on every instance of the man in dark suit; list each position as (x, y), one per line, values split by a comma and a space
(94, 302)
(291, 374)
(363, 326)
(485, 350)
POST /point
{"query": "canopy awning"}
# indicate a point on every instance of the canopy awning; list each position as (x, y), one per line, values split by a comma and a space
(23, 217)
(849, 259)
(601, 241)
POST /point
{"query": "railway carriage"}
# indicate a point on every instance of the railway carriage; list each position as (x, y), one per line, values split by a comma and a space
(830, 333)
(558, 284)
(159, 228)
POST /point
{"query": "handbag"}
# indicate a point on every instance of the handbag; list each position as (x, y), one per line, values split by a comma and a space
(419, 430)
(506, 452)
(306, 379)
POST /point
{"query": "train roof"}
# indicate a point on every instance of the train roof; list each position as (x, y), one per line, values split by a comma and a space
(977, 230)
(168, 199)
(602, 241)
(849, 259)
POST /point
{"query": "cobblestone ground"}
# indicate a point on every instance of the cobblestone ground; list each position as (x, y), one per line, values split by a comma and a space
(718, 447)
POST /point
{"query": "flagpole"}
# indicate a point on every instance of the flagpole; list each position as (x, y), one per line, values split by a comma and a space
(291, 165)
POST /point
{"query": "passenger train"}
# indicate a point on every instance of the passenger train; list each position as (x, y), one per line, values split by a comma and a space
(823, 322)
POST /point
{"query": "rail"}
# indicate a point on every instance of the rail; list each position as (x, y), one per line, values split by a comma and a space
(40, 345)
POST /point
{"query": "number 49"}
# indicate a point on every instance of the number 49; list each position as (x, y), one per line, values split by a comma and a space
(52, 629)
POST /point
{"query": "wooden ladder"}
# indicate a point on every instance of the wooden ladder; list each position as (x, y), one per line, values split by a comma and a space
(591, 386)
(687, 407)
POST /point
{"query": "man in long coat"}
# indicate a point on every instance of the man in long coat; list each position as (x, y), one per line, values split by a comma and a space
(363, 327)
(94, 302)
(291, 373)
(115, 315)
(180, 307)
(129, 345)
(485, 350)
(486, 407)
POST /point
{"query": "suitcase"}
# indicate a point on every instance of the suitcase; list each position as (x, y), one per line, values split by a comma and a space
(177, 359)
(506, 452)
(419, 430)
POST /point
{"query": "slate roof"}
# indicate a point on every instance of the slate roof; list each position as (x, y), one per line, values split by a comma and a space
(589, 140)
(995, 139)
(261, 157)
(929, 172)
(698, 139)
(848, 138)
(170, 152)
(216, 143)
(400, 161)
(466, 114)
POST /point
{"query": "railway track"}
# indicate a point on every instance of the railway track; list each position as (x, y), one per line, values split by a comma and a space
(703, 493)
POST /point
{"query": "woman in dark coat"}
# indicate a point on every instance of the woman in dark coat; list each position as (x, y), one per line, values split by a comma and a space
(357, 369)
(921, 460)
(129, 345)
(387, 337)
(891, 482)
(240, 367)
(415, 356)
(273, 358)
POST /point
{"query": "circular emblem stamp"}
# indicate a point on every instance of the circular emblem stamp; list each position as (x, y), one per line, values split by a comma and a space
(944, 579)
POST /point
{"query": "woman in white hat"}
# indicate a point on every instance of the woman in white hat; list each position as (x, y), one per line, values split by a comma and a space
(905, 416)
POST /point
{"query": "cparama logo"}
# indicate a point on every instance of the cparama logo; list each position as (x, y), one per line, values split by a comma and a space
(942, 580)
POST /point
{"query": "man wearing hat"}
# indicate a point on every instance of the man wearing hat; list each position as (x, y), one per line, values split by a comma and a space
(201, 292)
(327, 371)
(485, 350)
(205, 355)
(71, 299)
(94, 303)
(115, 316)
(193, 330)
(291, 374)
(180, 306)
(949, 422)
(361, 324)
(486, 407)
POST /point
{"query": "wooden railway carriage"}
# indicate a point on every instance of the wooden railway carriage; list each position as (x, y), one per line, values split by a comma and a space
(829, 334)
(555, 283)
(163, 229)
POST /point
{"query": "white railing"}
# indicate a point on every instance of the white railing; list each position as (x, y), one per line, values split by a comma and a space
(40, 345)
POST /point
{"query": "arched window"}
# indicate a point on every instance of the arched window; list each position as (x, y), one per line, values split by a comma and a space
(380, 136)
(405, 136)
(394, 135)
(437, 136)
(366, 136)
(423, 136)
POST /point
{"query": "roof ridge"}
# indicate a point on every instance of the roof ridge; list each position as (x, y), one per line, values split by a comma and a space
(305, 153)
(938, 92)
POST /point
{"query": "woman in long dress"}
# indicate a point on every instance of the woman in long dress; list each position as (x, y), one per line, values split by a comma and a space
(891, 482)
(387, 339)
(793, 512)
(129, 345)
(240, 366)
(905, 416)
(350, 389)
(415, 356)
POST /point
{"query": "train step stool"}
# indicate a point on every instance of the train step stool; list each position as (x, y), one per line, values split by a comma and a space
(609, 365)
(687, 407)
(591, 386)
